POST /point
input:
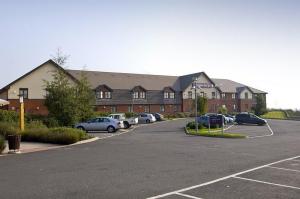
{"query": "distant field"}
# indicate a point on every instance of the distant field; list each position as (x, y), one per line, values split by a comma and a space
(274, 115)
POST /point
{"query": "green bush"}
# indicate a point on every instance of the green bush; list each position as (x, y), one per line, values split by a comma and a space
(35, 124)
(8, 116)
(215, 134)
(51, 122)
(130, 114)
(60, 135)
(192, 125)
(8, 128)
(101, 114)
(2, 144)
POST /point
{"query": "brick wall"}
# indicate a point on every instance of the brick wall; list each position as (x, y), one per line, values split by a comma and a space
(34, 106)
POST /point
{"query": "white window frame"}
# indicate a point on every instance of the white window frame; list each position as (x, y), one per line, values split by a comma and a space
(162, 108)
(166, 95)
(142, 95)
(172, 95)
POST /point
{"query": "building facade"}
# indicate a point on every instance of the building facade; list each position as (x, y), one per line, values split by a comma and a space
(125, 92)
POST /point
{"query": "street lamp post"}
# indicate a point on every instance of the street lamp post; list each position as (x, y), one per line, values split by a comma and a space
(195, 87)
(21, 119)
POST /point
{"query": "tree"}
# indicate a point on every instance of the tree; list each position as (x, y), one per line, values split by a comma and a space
(222, 110)
(68, 101)
(201, 105)
(85, 98)
(60, 58)
(260, 107)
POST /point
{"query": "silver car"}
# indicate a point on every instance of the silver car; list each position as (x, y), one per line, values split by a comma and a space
(100, 124)
(146, 118)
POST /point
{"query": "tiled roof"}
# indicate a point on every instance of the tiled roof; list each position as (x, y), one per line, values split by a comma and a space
(229, 86)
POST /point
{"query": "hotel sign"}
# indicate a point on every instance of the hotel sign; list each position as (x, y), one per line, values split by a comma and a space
(202, 85)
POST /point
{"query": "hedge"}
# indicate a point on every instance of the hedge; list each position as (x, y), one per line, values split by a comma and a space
(60, 135)
(2, 144)
(8, 116)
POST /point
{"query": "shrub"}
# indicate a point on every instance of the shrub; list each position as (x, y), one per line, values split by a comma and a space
(51, 122)
(101, 114)
(192, 125)
(8, 128)
(60, 135)
(2, 144)
(130, 114)
(35, 124)
(8, 116)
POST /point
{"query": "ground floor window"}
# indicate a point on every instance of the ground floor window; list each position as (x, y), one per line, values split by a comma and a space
(113, 109)
(146, 109)
(130, 109)
(162, 108)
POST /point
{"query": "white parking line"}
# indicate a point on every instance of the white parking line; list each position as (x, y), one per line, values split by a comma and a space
(220, 179)
(295, 170)
(260, 136)
(187, 196)
(264, 182)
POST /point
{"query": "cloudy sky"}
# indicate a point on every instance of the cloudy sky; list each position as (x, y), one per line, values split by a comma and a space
(255, 42)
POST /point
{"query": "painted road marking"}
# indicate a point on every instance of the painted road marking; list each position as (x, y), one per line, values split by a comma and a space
(295, 170)
(221, 179)
(260, 136)
(264, 182)
(187, 196)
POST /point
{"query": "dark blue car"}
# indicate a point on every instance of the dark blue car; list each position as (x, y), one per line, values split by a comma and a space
(249, 118)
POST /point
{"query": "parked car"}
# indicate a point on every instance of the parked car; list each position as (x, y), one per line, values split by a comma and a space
(100, 124)
(158, 116)
(229, 118)
(225, 119)
(146, 118)
(203, 119)
(126, 121)
(249, 118)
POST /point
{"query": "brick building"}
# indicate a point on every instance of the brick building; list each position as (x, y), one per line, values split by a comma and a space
(124, 92)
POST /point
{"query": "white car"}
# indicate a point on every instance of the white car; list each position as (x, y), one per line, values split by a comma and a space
(146, 118)
(101, 124)
(126, 121)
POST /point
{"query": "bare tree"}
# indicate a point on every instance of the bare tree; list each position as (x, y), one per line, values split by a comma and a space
(60, 58)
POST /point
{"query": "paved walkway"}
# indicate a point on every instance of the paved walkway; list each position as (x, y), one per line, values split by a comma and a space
(27, 147)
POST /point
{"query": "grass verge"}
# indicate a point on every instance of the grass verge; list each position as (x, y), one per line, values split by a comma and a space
(204, 132)
(275, 115)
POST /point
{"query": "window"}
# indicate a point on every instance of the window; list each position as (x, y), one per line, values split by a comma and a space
(172, 95)
(107, 95)
(99, 94)
(113, 109)
(130, 109)
(234, 107)
(175, 108)
(202, 94)
(166, 95)
(135, 95)
(246, 95)
(142, 95)
(146, 109)
(233, 95)
(162, 108)
(190, 94)
(23, 92)
(213, 95)
(223, 95)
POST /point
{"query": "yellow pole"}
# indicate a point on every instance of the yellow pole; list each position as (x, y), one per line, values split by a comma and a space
(22, 115)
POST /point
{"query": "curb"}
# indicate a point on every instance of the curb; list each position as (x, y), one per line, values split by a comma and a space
(53, 147)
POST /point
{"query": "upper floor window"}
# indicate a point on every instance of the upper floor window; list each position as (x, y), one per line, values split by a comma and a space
(223, 95)
(107, 95)
(166, 95)
(103, 92)
(233, 95)
(213, 95)
(135, 95)
(190, 94)
(172, 95)
(23, 92)
(246, 95)
(142, 95)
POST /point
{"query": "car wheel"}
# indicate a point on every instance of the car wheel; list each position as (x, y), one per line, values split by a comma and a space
(110, 129)
(126, 125)
(147, 121)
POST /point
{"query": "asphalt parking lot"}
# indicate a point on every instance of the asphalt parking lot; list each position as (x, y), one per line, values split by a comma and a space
(159, 160)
